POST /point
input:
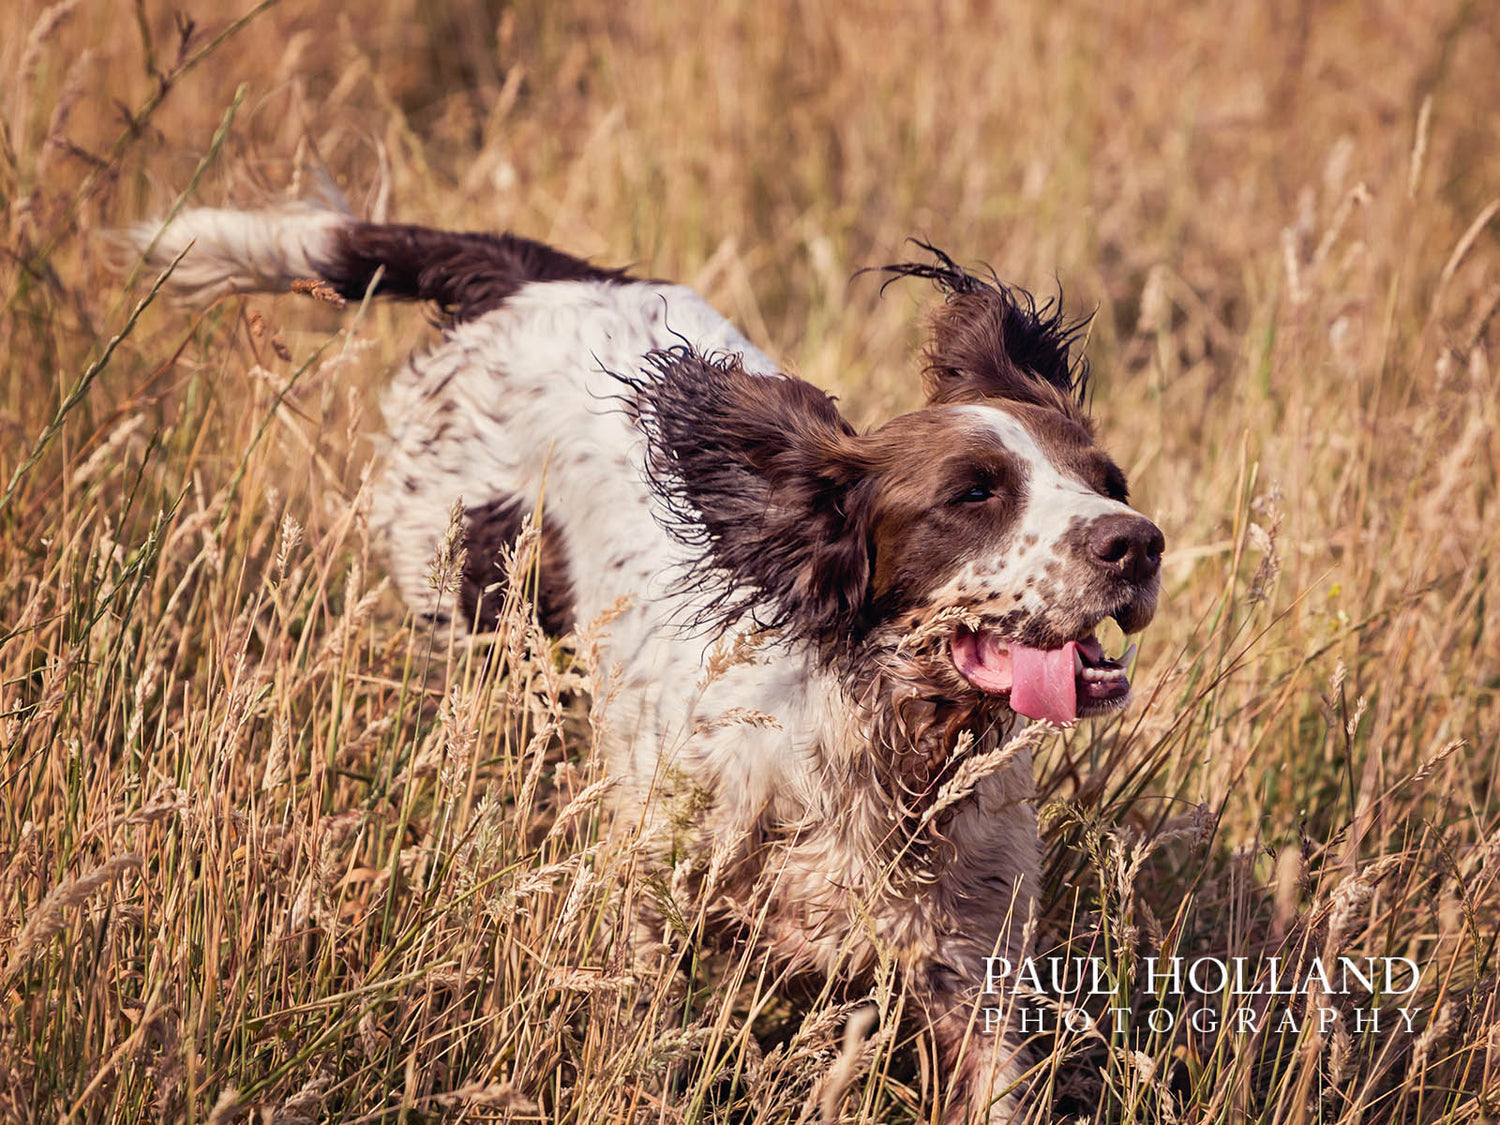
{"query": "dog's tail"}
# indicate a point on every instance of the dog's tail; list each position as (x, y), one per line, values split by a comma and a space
(467, 274)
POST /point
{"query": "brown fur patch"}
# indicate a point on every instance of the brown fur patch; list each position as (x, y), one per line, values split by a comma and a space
(466, 273)
(491, 529)
(767, 483)
(984, 346)
(990, 340)
(928, 514)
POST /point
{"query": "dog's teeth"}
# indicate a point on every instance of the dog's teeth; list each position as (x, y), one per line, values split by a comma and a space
(1129, 655)
(1077, 661)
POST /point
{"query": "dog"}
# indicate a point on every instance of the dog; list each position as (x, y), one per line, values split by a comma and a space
(912, 595)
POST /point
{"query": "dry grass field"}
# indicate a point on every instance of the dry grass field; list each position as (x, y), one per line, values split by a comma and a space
(269, 851)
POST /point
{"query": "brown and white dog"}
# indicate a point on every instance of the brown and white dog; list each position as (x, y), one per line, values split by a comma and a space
(918, 590)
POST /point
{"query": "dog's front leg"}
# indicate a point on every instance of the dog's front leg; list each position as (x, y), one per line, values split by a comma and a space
(980, 1056)
(986, 902)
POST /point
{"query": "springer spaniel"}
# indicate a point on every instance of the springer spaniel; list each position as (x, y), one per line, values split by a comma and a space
(916, 591)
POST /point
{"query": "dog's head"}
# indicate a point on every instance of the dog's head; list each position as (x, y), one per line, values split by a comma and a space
(971, 547)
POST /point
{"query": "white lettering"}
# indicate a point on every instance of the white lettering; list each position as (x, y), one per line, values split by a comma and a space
(1347, 969)
(1026, 975)
(1205, 987)
(996, 969)
(1275, 965)
(1241, 986)
(1411, 968)
(1155, 981)
(1315, 973)
(1098, 985)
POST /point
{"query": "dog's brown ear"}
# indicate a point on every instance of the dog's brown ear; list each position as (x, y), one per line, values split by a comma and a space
(990, 340)
(761, 476)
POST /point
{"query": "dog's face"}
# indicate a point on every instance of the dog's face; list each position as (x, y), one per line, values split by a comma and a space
(970, 548)
(1010, 517)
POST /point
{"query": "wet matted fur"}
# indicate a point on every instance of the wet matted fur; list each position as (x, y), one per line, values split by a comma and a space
(914, 591)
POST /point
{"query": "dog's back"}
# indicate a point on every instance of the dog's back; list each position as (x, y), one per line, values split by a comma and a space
(521, 397)
(522, 406)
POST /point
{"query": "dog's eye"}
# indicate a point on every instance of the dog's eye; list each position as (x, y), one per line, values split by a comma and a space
(975, 495)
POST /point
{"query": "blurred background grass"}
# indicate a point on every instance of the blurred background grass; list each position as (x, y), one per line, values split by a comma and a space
(266, 850)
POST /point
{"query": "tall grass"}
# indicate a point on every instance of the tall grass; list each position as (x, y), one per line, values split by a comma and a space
(269, 848)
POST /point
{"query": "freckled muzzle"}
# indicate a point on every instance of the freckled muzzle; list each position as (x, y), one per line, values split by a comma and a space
(1075, 679)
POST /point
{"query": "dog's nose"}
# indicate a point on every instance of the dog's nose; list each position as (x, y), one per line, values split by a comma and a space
(1130, 546)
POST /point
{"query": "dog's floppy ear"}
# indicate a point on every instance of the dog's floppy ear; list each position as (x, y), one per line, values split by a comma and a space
(761, 476)
(991, 340)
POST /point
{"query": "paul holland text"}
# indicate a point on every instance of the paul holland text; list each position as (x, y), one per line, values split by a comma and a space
(1252, 994)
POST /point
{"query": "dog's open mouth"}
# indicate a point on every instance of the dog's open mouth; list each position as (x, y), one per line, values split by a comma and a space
(1057, 684)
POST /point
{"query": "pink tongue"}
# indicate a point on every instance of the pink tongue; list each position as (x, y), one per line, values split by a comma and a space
(1043, 683)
